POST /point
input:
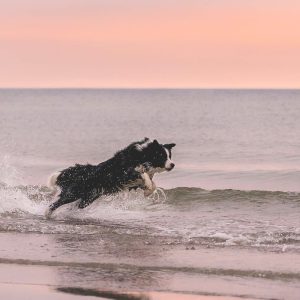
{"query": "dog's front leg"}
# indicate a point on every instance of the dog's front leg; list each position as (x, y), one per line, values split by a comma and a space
(150, 186)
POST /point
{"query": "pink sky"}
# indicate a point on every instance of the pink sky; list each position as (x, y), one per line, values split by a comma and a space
(150, 43)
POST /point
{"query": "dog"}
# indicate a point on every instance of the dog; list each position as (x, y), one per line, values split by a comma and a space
(130, 168)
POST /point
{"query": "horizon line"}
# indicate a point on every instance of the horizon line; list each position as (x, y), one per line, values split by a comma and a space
(146, 88)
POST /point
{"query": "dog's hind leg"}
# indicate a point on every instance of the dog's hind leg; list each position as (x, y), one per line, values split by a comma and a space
(61, 201)
(85, 201)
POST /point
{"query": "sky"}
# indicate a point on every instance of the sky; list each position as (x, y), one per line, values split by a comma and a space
(150, 43)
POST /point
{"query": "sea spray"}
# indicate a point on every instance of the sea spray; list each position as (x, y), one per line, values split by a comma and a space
(15, 197)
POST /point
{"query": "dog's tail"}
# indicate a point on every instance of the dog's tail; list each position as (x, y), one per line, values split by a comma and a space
(52, 181)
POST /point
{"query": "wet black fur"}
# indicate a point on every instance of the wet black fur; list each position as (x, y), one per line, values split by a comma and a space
(88, 182)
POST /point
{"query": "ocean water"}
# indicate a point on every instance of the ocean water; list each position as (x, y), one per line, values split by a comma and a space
(225, 222)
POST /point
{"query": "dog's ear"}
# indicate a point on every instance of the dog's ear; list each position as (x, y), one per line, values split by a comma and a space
(155, 142)
(169, 146)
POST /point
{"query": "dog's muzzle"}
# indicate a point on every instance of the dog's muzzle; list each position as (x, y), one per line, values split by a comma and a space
(171, 167)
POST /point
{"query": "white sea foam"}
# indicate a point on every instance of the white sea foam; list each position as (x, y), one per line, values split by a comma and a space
(14, 198)
(122, 206)
(9, 175)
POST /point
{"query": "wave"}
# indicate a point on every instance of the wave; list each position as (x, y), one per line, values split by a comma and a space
(181, 215)
(33, 199)
(183, 194)
(210, 218)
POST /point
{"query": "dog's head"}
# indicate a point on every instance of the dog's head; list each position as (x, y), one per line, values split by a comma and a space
(157, 155)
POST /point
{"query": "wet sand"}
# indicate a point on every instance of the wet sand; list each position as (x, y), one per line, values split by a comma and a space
(27, 282)
(15, 291)
(53, 266)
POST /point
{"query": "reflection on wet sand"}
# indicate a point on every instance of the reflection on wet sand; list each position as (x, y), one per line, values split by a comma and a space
(110, 260)
(141, 296)
(103, 294)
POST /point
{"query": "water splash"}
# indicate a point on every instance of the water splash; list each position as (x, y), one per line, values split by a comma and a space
(9, 175)
(15, 197)
(159, 196)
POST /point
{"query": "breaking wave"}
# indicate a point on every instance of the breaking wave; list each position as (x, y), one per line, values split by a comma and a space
(33, 199)
(180, 215)
(22, 209)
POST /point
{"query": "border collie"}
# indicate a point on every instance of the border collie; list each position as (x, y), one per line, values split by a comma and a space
(130, 168)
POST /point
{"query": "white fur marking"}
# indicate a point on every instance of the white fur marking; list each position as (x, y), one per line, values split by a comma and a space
(144, 145)
(52, 180)
(149, 184)
(152, 171)
(147, 180)
(169, 161)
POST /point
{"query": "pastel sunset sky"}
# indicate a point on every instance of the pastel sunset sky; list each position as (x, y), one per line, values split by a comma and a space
(150, 43)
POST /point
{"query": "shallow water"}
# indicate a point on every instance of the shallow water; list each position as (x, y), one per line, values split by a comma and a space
(226, 222)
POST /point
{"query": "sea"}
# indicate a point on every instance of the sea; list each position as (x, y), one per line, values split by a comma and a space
(224, 222)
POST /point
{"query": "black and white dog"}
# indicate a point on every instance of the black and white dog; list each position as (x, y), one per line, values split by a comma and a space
(130, 168)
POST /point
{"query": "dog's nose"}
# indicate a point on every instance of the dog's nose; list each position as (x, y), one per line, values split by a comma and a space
(172, 166)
